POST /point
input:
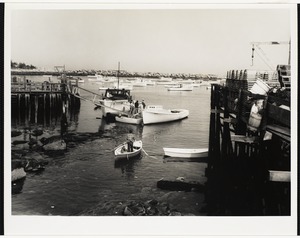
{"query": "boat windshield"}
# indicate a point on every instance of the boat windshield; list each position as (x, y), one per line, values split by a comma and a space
(117, 94)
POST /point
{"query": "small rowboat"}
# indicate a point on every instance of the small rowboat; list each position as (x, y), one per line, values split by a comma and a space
(129, 120)
(186, 153)
(122, 153)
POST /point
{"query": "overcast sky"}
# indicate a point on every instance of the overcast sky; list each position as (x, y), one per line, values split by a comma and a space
(149, 40)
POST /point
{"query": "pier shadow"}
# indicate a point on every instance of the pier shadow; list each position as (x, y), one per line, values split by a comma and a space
(167, 159)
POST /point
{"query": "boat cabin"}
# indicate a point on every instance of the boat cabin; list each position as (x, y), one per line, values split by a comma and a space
(117, 94)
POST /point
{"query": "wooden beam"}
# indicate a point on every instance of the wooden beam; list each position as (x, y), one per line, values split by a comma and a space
(279, 176)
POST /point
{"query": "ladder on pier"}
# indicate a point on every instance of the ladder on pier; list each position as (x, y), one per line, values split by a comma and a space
(96, 101)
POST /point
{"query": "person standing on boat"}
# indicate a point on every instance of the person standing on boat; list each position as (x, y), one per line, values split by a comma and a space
(130, 140)
(143, 104)
(131, 108)
(136, 105)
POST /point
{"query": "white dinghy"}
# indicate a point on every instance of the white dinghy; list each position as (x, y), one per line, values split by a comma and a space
(121, 152)
(186, 153)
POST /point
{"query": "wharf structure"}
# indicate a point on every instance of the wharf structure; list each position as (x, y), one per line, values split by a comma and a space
(249, 164)
(41, 102)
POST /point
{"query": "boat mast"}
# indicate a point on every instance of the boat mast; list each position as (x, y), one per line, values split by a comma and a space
(118, 74)
(257, 45)
(289, 60)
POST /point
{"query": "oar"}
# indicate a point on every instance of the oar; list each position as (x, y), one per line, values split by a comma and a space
(148, 154)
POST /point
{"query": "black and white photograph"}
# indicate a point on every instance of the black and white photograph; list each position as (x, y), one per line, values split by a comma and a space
(182, 113)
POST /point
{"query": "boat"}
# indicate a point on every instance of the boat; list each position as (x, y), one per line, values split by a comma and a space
(107, 85)
(80, 80)
(181, 87)
(129, 120)
(115, 101)
(122, 153)
(186, 153)
(139, 83)
(96, 77)
(157, 114)
(165, 79)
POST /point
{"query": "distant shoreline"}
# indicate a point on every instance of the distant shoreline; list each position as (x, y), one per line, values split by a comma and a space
(112, 73)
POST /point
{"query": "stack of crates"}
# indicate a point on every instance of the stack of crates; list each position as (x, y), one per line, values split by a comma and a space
(284, 76)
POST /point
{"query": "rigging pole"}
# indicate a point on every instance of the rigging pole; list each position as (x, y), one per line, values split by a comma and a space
(257, 44)
(118, 74)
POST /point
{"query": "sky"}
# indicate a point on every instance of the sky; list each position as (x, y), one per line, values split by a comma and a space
(207, 40)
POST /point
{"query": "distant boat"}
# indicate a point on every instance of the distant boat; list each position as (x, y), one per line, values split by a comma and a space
(122, 153)
(163, 79)
(166, 83)
(181, 87)
(139, 83)
(80, 80)
(96, 77)
(186, 153)
(107, 85)
(129, 120)
(157, 114)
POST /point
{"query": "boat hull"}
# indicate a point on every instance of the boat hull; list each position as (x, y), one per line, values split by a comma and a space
(163, 115)
(190, 88)
(186, 153)
(137, 149)
(114, 107)
(129, 120)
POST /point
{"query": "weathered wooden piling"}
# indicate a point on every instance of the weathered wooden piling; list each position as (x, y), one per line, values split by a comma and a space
(39, 103)
(247, 170)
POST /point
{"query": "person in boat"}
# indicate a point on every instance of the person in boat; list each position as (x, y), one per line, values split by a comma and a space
(136, 106)
(130, 140)
(143, 104)
(123, 149)
(131, 107)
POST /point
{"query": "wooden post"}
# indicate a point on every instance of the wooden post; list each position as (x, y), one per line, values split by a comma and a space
(226, 142)
(36, 100)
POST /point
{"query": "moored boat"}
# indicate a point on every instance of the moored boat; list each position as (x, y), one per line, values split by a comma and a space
(157, 114)
(115, 101)
(121, 152)
(186, 153)
(129, 120)
(181, 87)
(96, 77)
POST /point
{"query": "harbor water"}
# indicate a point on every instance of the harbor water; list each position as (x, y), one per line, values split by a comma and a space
(86, 179)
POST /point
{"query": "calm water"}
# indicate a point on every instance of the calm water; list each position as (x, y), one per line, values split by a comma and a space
(87, 175)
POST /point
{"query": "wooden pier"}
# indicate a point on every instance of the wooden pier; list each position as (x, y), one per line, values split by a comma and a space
(248, 170)
(33, 102)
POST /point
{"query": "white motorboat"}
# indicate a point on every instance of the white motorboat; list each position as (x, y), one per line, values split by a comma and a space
(129, 120)
(121, 152)
(115, 102)
(157, 114)
(181, 87)
(139, 83)
(186, 153)
(80, 80)
(96, 77)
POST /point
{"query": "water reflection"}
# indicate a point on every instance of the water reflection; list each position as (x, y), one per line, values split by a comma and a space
(17, 186)
(128, 166)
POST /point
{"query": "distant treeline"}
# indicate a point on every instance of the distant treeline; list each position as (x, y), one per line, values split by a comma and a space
(24, 69)
(15, 65)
